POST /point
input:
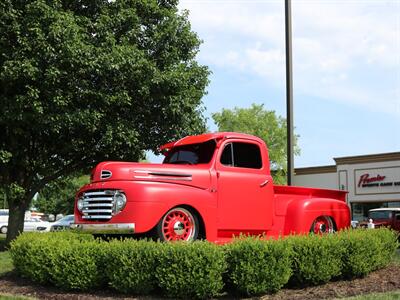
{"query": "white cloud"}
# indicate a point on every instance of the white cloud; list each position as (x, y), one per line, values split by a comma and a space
(346, 51)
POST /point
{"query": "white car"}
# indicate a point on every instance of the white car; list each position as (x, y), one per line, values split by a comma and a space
(36, 224)
(32, 224)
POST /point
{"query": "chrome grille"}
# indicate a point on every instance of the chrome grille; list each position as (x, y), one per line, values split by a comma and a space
(98, 205)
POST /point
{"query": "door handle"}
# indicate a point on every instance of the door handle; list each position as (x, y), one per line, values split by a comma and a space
(264, 183)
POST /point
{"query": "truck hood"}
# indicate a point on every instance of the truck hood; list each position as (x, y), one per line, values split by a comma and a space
(197, 176)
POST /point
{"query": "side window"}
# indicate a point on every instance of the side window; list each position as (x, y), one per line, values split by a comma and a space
(242, 155)
(398, 217)
(247, 156)
(226, 157)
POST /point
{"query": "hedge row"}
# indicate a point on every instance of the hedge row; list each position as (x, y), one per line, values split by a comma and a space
(249, 266)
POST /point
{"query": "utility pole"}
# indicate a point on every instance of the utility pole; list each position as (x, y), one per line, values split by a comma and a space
(289, 91)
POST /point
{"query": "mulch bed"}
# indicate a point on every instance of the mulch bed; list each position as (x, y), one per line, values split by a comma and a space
(384, 280)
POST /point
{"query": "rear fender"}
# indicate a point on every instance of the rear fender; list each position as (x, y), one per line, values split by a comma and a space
(302, 213)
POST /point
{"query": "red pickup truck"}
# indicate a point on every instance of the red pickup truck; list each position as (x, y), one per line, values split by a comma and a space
(213, 186)
(384, 217)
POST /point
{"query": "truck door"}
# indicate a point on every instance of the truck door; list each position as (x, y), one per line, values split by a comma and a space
(245, 189)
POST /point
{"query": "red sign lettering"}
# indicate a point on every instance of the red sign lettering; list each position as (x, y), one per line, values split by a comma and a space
(365, 179)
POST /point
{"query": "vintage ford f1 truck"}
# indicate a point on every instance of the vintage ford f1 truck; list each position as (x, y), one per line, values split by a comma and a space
(213, 186)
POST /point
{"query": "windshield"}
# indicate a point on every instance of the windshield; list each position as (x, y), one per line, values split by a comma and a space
(67, 218)
(381, 214)
(191, 154)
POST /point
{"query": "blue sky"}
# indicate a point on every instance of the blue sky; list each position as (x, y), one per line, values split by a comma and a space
(346, 57)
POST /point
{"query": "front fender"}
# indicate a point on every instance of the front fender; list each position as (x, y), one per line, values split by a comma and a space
(302, 213)
(148, 201)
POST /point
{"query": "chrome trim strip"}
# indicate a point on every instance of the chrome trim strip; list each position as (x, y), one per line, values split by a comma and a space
(98, 199)
(161, 173)
(105, 174)
(97, 204)
(165, 178)
(96, 217)
(88, 210)
(106, 228)
(106, 193)
(170, 174)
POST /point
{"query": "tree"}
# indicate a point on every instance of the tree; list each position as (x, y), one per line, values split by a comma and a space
(83, 81)
(264, 124)
(57, 197)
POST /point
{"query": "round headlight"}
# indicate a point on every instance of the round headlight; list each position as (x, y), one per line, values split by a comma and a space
(79, 204)
(119, 201)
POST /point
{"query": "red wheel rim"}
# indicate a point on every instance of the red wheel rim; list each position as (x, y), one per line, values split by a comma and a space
(178, 225)
(322, 225)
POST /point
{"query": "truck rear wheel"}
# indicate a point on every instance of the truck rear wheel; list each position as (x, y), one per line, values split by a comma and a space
(178, 224)
(322, 225)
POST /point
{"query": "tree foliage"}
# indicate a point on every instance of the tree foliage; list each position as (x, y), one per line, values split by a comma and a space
(83, 81)
(262, 123)
(57, 197)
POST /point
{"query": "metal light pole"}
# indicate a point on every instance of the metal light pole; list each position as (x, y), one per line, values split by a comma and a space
(289, 91)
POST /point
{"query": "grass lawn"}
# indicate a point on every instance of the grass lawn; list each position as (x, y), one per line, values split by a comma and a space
(2, 241)
(5, 263)
(12, 297)
(376, 296)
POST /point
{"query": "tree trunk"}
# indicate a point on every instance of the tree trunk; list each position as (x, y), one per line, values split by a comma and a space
(16, 219)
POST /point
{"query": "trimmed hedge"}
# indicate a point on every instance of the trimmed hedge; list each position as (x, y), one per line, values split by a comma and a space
(257, 266)
(366, 250)
(130, 266)
(200, 269)
(190, 270)
(317, 259)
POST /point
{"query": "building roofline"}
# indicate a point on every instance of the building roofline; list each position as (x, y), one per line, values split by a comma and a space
(315, 170)
(369, 158)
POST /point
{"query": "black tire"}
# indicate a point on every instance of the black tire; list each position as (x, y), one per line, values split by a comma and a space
(178, 224)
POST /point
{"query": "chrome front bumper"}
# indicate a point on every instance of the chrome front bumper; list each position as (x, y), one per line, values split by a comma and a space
(121, 228)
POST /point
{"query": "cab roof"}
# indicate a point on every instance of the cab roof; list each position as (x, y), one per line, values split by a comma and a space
(202, 138)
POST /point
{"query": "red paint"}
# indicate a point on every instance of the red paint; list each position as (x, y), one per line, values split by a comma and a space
(227, 200)
(365, 179)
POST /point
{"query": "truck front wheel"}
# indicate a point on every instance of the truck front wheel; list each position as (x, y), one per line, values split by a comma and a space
(178, 224)
(322, 225)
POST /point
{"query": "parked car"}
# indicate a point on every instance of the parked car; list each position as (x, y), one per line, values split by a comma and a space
(4, 215)
(385, 217)
(63, 224)
(31, 224)
(36, 224)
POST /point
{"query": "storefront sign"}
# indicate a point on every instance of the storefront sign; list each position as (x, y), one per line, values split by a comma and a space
(377, 181)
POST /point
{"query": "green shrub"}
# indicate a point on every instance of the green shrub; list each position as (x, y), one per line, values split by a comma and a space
(76, 265)
(33, 254)
(197, 270)
(316, 260)
(257, 266)
(190, 270)
(366, 250)
(131, 264)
